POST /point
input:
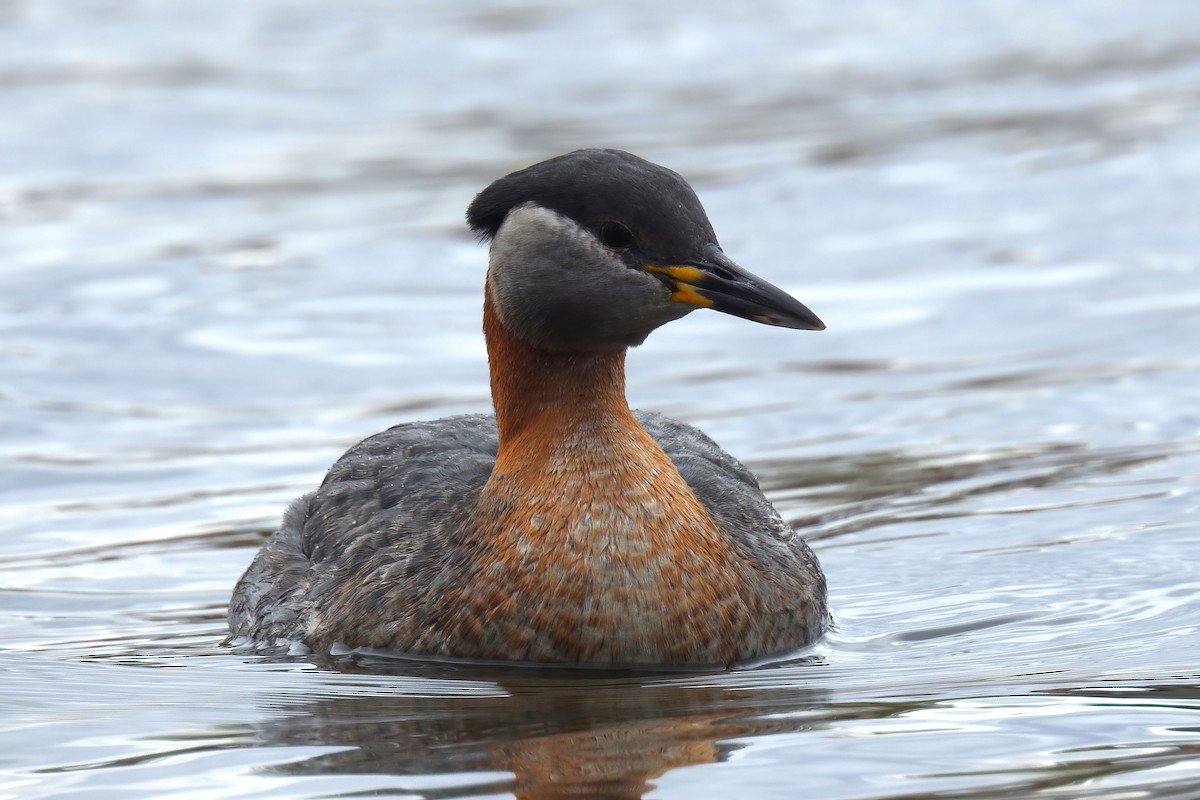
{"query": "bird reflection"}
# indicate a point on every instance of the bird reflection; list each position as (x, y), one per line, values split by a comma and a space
(557, 736)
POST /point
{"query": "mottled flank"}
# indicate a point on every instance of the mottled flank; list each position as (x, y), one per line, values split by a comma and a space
(565, 528)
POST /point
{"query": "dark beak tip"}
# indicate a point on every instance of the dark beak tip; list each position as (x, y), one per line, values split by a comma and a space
(808, 321)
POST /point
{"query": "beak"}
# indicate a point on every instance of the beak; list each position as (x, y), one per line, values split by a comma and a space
(716, 282)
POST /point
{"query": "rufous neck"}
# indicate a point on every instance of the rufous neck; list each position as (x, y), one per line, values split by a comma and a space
(542, 392)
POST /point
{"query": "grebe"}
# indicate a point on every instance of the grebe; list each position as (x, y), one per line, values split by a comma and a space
(565, 528)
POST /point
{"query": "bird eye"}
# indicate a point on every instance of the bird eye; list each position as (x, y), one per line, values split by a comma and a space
(615, 235)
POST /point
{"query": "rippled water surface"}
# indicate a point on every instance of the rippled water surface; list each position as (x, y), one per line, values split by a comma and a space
(231, 245)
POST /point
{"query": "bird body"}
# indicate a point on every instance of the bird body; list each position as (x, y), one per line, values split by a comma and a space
(566, 528)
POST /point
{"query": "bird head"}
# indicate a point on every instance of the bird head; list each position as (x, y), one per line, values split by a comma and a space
(595, 249)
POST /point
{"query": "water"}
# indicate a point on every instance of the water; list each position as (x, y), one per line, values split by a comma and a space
(231, 245)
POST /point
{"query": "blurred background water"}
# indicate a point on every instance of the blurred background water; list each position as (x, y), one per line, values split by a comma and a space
(231, 244)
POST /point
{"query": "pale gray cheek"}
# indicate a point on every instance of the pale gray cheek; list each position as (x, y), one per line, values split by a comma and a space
(640, 316)
(555, 287)
(614, 313)
(642, 308)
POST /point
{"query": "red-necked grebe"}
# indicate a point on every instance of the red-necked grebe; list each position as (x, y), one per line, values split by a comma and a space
(566, 528)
